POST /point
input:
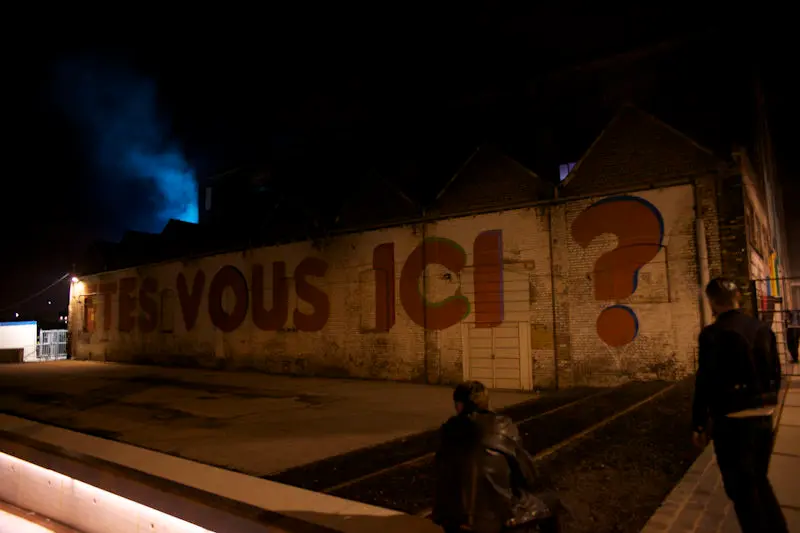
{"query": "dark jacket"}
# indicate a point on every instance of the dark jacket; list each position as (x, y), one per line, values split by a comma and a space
(738, 368)
(484, 475)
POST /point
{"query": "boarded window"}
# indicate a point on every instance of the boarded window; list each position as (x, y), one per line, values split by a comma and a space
(167, 310)
(89, 311)
(366, 286)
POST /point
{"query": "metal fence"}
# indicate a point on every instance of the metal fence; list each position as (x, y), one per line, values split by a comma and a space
(52, 344)
(773, 302)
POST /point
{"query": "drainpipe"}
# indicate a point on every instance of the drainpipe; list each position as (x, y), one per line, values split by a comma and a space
(70, 313)
(424, 233)
(553, 293)
(702, 258)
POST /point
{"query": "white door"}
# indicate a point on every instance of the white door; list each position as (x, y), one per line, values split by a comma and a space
(493, 356)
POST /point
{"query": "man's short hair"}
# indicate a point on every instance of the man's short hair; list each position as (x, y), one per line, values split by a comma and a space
(473, 395)
(723, 292)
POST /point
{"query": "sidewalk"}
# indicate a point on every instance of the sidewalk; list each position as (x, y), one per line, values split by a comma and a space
(698, 504)
(253, 423)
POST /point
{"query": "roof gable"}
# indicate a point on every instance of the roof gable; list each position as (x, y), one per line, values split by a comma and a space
(376, 202)
(637, 149)
(490, 179)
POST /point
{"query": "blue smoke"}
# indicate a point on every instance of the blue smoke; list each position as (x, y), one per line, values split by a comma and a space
(143, 178)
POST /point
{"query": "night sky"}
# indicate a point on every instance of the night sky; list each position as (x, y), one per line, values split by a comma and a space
(107, 132)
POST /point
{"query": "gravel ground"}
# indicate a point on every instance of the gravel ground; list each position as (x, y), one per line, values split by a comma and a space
(333, 471)
(614, 479)
(410, 488)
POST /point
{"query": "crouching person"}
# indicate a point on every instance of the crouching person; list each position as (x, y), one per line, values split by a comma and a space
(484, 475)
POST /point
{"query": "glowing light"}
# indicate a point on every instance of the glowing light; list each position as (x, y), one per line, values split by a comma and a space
(16, 315)
(131, 145)
(75, 280)
(106, 502)
(78, 288)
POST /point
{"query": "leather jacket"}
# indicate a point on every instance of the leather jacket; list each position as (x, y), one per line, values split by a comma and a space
(484, 475)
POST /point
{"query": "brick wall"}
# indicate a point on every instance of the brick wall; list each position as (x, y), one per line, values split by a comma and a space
(636, 150)
(211, 311)
(732, 234)
(665, 300)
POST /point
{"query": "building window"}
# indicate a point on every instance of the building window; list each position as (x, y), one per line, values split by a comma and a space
(167, 310)
(564, 170)
(88, 314)
(208, 198)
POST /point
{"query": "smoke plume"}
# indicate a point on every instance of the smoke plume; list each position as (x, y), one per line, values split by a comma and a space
(141, 177)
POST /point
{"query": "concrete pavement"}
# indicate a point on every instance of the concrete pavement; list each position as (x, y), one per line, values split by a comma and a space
(16, 520)
(698, 504)
(248, 422)
(99, 485)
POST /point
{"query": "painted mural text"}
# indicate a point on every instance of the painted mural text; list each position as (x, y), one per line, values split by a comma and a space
(639, 227)
(139, 304)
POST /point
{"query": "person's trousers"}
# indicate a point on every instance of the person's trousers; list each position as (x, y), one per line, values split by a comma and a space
(793, 340)
(743, 447)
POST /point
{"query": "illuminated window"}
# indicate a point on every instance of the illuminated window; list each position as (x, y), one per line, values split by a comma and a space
(564, 170)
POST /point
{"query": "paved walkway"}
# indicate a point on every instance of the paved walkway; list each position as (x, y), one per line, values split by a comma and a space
(699, 505)
(227, 501)
(248, 422)
(16, 520)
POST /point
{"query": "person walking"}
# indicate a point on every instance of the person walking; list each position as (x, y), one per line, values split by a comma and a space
(736, 390)
(484, 475)
(793, 334)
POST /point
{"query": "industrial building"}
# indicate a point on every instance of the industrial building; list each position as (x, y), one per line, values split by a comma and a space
(510, 280)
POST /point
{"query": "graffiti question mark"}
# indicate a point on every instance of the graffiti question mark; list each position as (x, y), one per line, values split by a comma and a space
(639, 228)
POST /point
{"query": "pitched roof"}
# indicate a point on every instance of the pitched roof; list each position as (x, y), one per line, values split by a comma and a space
(377, 201)
(491, 179)
(637, 149)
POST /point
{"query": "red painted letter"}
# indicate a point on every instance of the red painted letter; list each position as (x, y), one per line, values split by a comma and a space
(440, 315)
(190, 301)
(274, 318)
(383, 264)
(107, 290)
(148, 318)
(127, 304)
(488, 278)
(311, 266)
(227, 276)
